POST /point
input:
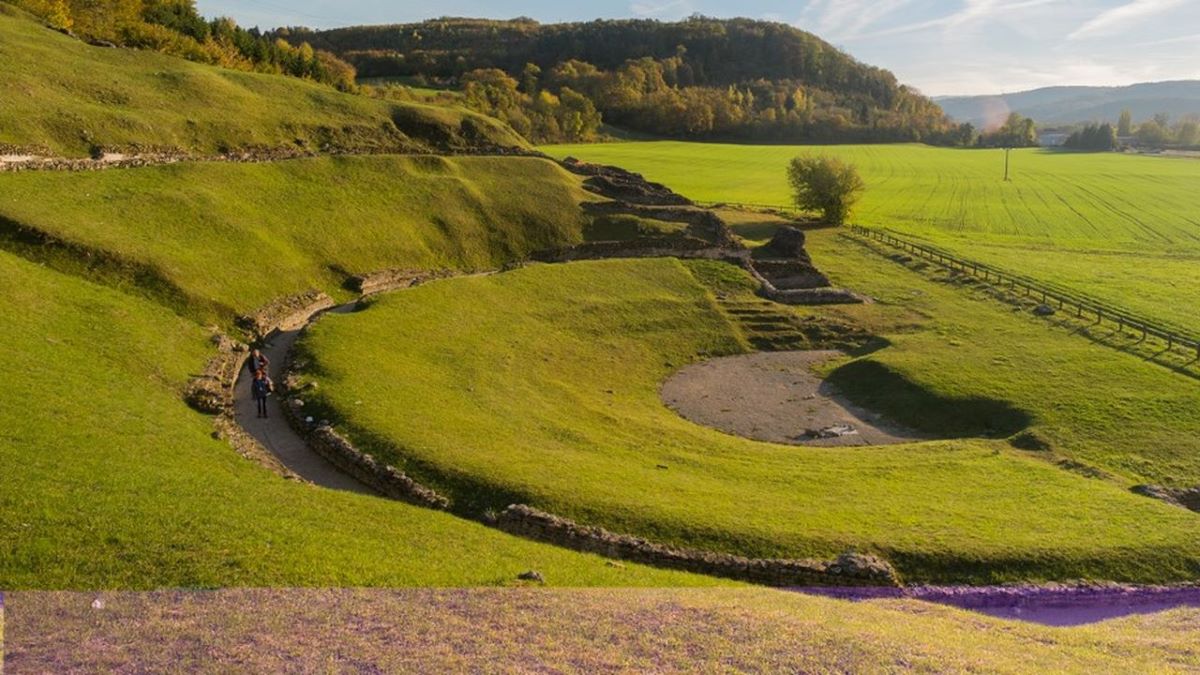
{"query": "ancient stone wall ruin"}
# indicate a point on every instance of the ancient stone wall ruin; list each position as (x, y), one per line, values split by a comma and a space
(285, 314)
(850, 569)
(395, 279)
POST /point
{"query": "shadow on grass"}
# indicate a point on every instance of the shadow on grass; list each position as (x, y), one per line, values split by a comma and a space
(876, 387)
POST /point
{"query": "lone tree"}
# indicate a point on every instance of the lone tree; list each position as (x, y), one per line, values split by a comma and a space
(825, 184)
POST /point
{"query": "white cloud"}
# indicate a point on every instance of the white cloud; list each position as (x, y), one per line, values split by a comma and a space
(972, 12)
(1115, 19)
(843, 19)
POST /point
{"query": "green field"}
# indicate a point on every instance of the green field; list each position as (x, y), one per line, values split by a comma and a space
(1122, 227)
(561, 366)
(68, 98)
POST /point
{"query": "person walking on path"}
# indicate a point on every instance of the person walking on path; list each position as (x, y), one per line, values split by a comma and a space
(257, 361)
(260, 388)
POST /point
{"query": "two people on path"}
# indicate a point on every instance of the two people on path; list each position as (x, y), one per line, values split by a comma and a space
(261, 385)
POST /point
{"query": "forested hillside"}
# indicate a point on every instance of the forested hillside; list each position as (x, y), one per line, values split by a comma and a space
(699, 78)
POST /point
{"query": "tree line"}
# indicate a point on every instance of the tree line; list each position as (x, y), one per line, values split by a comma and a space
(175, 27)
(696, 79)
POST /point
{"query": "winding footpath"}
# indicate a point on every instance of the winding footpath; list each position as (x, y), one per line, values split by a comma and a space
(274, 433)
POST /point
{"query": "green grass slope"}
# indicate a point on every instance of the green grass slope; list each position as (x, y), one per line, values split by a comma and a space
(541, 385)
(110, 482)
(234, 236)
(70, 98)
(1122, 227)
(584, 631)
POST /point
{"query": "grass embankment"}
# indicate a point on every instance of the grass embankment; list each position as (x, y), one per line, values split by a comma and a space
(1121, 227)
(571, 631)
(110, 482)
(71, 98)
(541, 385)
(216, 237)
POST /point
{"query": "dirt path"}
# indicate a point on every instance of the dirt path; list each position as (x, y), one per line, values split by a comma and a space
(275, 434)
(776, 397)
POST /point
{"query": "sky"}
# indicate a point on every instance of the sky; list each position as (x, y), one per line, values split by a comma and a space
(942, 47)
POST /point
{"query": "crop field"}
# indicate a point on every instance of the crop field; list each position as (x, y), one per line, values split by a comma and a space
(569, 398)
(1122, 227)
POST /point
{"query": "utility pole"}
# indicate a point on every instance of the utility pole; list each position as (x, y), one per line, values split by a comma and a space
(1006, 152)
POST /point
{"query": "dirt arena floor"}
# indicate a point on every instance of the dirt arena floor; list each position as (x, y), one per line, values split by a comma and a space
(776, 397)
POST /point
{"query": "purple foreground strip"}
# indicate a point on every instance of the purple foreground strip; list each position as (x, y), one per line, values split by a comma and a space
(1045, 605)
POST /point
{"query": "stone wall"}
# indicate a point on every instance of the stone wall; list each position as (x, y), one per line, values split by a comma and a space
(791, 274)
(384, 479)
(617, 183)
(850, 569)
(1188, 498)
(15, 159)
(702, 223)
(646, 247)
(211, 391)
(287, 313)
(395, 279)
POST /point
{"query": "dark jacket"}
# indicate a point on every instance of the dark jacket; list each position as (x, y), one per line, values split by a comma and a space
(260, 388)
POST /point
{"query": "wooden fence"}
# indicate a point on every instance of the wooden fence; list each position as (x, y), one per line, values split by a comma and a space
(1050, 294)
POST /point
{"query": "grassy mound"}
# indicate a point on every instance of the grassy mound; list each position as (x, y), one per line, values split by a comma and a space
(71, 98)
(661, 631)
(1122, 227)
(109, 481)
(541, 385)
(216, 237)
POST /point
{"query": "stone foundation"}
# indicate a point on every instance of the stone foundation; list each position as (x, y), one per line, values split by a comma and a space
(287, 313)
(384, 479)
(850, 569)
(617, 183)
(211, 392)
(646, 247)
(1188, 498)
(394, 280)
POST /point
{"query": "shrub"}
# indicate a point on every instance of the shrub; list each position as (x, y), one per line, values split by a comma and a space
(825, 184)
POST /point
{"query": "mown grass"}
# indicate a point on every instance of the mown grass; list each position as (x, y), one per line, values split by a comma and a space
(585, 631)
(110, 482)
(1118, 226)
(71, 98)
(230, 237)
(541, 385)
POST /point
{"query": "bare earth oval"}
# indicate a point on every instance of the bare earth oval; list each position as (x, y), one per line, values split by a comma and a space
(776, 397)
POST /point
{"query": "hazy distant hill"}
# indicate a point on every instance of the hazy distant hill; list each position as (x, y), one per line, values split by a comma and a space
(1064, 105)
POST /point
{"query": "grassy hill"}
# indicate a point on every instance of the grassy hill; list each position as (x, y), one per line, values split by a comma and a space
(111, 482)
(1116, 226)
(213, 238)
(69, 98)
(562, 365)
